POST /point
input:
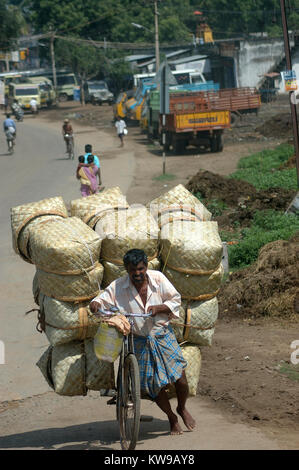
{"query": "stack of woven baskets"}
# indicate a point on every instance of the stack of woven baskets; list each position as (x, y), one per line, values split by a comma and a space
(191, 258)
(77, 255)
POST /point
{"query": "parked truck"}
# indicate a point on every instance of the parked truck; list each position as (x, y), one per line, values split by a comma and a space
(190, 121)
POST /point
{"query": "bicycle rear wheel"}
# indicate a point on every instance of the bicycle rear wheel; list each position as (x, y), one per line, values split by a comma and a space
(129, 404)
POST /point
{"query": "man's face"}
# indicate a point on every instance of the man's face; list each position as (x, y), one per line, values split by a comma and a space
(137, 273)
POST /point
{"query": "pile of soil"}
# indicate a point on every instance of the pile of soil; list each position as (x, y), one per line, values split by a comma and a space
(268, 287)
(242, 197)
(280, 124)
(290, 163)
(213, 186)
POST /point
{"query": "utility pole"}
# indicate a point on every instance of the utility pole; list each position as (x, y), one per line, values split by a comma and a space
(157, 36)
(53, 63)
(291, 93)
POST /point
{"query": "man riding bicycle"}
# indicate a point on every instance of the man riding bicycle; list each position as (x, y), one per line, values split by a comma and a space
(67, 132)
(157, 351)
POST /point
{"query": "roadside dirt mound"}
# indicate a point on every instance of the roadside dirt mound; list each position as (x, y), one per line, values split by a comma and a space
(290, 163)
(268, 287)
(213, 186)
(280, 124)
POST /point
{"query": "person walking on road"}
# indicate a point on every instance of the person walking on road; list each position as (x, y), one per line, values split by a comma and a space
(10, 129)
(157, 351)
(88, 152)
(87, 175)
(68, 133)
(121, 129)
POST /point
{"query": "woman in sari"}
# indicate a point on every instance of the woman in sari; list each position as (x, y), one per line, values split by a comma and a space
(87, 175)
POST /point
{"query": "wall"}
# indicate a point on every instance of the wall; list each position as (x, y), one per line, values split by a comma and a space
(255, 58)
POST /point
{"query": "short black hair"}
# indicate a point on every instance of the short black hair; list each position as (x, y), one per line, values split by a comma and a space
(81, 159)
(88, 148)
(134, 257)
(90, 159)
(7, 116)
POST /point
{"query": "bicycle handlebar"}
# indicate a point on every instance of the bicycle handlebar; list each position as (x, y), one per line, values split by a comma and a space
(143, 315)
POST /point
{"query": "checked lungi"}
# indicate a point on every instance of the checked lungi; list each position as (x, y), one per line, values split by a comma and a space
(160, 361)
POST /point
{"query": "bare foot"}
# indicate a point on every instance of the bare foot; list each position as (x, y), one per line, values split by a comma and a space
(189, 422)
(175, 428)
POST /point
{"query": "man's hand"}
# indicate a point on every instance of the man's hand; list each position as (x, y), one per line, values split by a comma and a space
(155, 309)
(94, 306)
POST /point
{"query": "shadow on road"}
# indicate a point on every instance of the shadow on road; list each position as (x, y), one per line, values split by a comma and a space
(95, 435)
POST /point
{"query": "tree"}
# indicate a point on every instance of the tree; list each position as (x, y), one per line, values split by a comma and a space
(84, 60)
(10, 26)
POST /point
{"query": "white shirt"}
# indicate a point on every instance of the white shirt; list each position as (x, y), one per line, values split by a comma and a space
(120, 125)
(123, 295)
(33, 102)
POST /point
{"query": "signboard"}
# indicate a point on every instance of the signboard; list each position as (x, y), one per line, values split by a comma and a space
(290, 82)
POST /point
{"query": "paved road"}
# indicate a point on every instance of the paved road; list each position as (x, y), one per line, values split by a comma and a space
(36, 417)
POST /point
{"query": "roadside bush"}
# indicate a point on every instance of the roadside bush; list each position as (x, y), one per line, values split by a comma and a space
(215, 206)
(267, 226)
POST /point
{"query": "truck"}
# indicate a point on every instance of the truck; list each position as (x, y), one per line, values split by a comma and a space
(192, 121)
(151, 108)
(96, 92)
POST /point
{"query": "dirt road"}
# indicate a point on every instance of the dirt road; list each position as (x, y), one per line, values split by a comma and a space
(31, 415)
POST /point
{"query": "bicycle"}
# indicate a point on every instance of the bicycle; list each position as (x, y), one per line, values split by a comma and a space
(128, 397)
(70, 145)
(10, 142)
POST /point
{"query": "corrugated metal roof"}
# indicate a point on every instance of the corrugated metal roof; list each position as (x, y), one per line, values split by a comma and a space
(191, 58)
(132, 58)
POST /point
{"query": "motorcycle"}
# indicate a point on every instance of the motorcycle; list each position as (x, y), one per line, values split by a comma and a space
(10, 137)
(17, 112)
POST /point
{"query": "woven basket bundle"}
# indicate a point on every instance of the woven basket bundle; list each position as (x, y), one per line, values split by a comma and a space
(30, 215)
(178, 196)
(193, 357)
(197, 322)
(73, 369)
(195, 287)
(114, 271)
(71, 288)
(90, 208)
(124, 230)
(66, 246)
(191, 246)
(64, 322)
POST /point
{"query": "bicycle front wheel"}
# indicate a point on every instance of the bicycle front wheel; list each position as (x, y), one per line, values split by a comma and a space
(129, 404)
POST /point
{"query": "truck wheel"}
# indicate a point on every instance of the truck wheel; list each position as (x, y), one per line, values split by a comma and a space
(63, 97)
(179, 146)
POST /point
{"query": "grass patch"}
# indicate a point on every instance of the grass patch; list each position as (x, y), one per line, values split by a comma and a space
(290, 370)
(261, 169)
(215, 206)
(267, 226)
(165, 177)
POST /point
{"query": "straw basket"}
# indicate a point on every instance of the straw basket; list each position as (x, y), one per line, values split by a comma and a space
(178, 196)
(193, 357)
(113, 271)
(73, 369)
(64, 322)
(71, 288)
(124, 230)
(65, 246)
(191, 246)
(197, 322)
(195, 287)
(90, 208)
(31, 215)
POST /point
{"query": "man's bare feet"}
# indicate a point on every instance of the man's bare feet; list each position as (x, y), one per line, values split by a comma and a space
(189, 422)
(175, 428)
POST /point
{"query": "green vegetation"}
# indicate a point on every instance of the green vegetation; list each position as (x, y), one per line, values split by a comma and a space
(290, 370)
(215, 206)
(262, 169)
(165, 177)
(267, 226)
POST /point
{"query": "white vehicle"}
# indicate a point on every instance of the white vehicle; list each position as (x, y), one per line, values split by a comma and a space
(188, 76)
